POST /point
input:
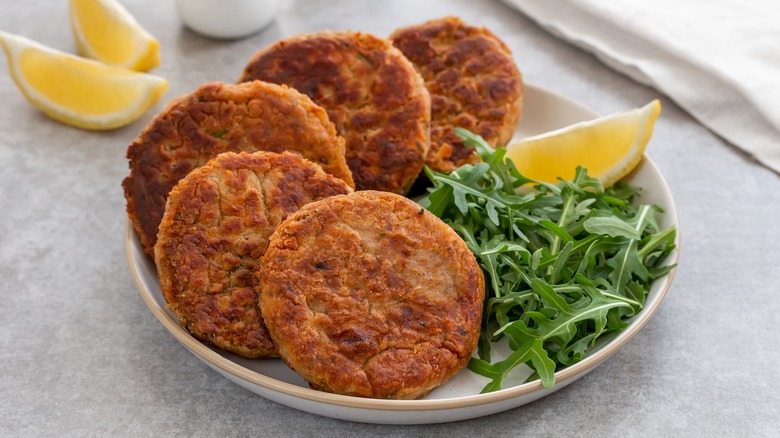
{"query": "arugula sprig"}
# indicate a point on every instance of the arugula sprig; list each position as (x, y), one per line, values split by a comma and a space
(564, 264)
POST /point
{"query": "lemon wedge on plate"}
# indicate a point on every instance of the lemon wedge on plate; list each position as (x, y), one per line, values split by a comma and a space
(104, 30)
(77, 91)
(609, 147)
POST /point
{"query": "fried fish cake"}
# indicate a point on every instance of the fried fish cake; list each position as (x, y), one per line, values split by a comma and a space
(215, 229)
(218, 118)
(473, 81)
(372, 93)
(371, 295)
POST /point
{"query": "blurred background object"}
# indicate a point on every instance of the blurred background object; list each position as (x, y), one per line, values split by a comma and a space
(227, 19)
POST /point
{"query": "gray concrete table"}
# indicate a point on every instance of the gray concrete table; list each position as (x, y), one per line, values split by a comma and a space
(80, 353)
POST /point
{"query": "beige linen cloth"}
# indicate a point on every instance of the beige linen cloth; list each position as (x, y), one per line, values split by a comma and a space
(719, 60)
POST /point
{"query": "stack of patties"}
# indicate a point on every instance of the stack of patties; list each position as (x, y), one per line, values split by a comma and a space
(244, 196)
(220, 208)
(390, 123)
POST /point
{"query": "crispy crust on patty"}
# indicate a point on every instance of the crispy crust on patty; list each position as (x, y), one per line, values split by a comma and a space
(473, 81)
(218, 118)
(371, 295)
(372, 93)
(216, 227)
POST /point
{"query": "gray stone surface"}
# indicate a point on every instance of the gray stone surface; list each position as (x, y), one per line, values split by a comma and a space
(80, 354)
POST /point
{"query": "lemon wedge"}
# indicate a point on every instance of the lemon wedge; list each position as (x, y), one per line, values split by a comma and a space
(609, 147)
(104, 30)
(76, 91)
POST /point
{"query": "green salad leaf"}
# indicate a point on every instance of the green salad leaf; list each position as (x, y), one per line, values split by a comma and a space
(564, 264)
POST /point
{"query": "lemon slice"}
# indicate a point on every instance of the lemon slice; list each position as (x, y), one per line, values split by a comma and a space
(77, 91)
(609, 147)
(105, 31)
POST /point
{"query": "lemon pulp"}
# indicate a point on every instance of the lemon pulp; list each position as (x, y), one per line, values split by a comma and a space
(84, 88)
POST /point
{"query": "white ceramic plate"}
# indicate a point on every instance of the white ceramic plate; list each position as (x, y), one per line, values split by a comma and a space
(459, 398)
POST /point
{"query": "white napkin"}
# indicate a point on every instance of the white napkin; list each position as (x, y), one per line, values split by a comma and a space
(718, 60)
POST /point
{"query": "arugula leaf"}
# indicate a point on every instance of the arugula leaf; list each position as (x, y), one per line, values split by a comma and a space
(564, 264)
(611, 226)
(532, 351)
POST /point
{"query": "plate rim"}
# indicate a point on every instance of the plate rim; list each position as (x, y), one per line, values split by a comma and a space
(269, 383)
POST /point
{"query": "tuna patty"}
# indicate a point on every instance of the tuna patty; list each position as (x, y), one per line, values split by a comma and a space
(372, 93)
(370, 295)
(216, 227)
(474, 84)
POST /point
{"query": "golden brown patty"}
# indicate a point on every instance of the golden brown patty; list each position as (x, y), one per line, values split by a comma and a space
(371, 92)
(218, 118)
(473, 81)
(216, 228)
(370, 295)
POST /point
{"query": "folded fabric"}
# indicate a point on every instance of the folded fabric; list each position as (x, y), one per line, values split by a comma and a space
(719, 60)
